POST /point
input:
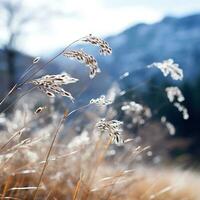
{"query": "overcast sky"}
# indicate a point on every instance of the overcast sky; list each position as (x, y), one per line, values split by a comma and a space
(102, 18)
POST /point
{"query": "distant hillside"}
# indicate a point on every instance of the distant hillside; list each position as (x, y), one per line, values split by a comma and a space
(21, 63)
(20, 60)
(140, 45)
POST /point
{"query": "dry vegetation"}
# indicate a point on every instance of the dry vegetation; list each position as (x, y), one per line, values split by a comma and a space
(101, 162)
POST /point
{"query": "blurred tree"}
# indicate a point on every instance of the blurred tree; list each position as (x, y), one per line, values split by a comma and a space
(16, 18)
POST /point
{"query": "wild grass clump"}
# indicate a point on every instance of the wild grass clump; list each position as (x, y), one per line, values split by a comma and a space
(89, 167)
(103, 161)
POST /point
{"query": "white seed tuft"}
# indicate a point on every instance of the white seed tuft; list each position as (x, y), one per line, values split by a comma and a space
(101, 101)
(52, 84)
(85, 58)
(168, 67)
(113, 128)
(103, 45)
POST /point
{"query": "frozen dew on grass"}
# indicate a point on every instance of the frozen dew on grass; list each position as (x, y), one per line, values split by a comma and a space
(52, 84)
(101, 101)
(105, 49)
(113, 128)
(85, 58)
(168, 67)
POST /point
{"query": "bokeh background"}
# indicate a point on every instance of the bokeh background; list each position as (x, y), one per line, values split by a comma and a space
(139, 32)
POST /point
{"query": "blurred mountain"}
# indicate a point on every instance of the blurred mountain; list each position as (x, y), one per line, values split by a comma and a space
(20, 61)
(143, 44)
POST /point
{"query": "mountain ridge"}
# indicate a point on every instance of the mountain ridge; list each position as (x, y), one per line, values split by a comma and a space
(142, 44)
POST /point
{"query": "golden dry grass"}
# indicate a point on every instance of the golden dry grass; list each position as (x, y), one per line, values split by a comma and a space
(88, 172)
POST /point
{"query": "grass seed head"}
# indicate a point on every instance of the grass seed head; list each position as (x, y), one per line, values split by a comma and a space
(52, 84)
(168, 67)
(105, 49)
(85, 58)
